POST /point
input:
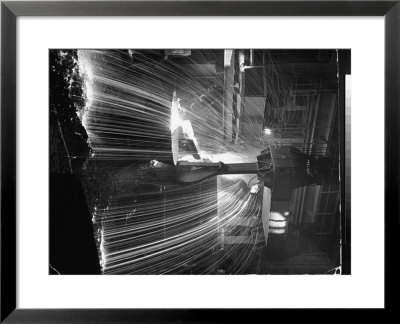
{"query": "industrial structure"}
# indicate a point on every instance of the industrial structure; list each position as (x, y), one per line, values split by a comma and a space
(196, 161)
(284, 100)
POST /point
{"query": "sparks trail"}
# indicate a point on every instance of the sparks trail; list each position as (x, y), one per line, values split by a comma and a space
(147, 224)
(144, 111)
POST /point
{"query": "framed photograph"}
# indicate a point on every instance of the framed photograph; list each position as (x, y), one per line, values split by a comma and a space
(163, 158)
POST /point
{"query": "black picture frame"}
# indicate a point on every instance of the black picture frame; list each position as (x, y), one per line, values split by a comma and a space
(10, 10)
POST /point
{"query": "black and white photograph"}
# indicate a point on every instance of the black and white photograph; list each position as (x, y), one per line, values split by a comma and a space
(197, 161)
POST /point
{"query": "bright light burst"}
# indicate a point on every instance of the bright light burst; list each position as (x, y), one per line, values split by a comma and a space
(144, 222)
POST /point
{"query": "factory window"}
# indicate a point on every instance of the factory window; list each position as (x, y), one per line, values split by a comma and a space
(303, 87)
(294, 118)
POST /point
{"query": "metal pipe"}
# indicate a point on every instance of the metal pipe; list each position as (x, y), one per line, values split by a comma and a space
(314, 125)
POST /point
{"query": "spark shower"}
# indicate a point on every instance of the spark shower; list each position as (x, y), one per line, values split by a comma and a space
(191, 161)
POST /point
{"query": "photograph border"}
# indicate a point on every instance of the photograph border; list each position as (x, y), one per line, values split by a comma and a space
(10, 10)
